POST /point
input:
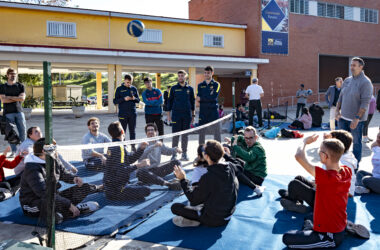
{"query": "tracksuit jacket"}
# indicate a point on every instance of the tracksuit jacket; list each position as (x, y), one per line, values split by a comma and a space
(126, 107)
(153, 101)
(208, 93)
(217, 190)
(181, 101)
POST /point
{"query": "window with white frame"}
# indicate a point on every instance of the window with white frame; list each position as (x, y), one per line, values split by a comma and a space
(299, 6)
(210, 40)
(151, 36)
(322, 9)
(368, 15)
(348, 13)
(61, 29)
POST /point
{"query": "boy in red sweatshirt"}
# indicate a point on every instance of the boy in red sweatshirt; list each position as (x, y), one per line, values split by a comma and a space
(8, 187)
(332, 185)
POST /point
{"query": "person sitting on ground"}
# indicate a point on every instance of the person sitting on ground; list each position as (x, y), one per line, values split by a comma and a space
(332, 185)
(316, 113)
(241, 114)
(9, 187)
(200, 165)
(252, 153)
(370, 182)
(217, 190)
(304, 122)
(155, 172)
(34, 134)
(221, 111)
(67, 202)
(94, 159)
(119, 168)
(302, 190)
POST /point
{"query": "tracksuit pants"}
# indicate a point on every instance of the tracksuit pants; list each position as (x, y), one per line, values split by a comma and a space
(156, 119)
(128, 192)
(366, 124)
(130, 123)
(300, 106)
(94, 164)
(366, 179)
(154, 175)
(301, 189)
(255, 106)
(75, 194)
(206, 116)
(180, 124)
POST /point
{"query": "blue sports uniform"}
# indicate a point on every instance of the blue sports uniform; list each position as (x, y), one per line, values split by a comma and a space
(208, 110)
(181, 103)
(153, 108)
(127, 109)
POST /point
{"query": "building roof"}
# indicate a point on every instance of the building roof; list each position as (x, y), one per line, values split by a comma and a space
(116, 14)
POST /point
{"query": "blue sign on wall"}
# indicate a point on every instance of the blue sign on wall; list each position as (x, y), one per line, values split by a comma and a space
(275, 26)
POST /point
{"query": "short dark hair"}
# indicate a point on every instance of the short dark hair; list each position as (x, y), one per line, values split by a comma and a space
(10, 70)
(30, 131)
(115, 129)
(151, 125)
(147, 79)
(209, 68)
(334, 147)
(214, 150)
(92, 119)
(359, 60)
(302, 85)
(338, 78)
(344, 136)
(182, 71)
(38, 146)
(128, 77)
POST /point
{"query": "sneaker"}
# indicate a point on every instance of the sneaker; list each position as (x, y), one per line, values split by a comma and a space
(283, 193)
(361, 190)
(174, 157)
(184, 157)
(88, 207)
(294, 206)
(174, 186)
(357, 230)
(307, 225)
(370, 139)
(259, 190)
(180, 221)
(58, 218)
(366, 140)
(5, 194)
(99, 188)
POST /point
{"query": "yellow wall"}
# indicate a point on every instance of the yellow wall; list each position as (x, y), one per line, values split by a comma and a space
(21, 26)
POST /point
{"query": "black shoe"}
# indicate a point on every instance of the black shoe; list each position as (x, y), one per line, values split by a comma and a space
(184, 157)
(294, 206)
(283, 193)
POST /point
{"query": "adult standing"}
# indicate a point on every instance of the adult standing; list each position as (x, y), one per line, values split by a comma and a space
(207, 97)
(332, 96)
(181, 110)
(126, 96)
(301, 96)
(255, 92)
(353, 102)
(12, 94)
(152, 97)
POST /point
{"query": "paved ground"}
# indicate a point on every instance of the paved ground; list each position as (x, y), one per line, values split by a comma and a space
(69, 130)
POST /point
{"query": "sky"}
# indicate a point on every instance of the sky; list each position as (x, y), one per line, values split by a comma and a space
(167, 8)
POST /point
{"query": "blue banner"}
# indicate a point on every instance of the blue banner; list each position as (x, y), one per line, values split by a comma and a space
(275, 26)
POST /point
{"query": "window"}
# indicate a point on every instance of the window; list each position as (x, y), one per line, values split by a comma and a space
(299, 6)
(330, 10)
(61, 29)
(368, 15)
(213, 40)
(151, 36)
(339, 11)
(348, 13)
(321, 9)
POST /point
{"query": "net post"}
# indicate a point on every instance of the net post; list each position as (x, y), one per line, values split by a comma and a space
(269, 116)
(233, 108)
(48, 98)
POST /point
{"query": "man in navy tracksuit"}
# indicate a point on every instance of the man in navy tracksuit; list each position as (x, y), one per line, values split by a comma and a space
(181, 104)
(152, 97)
(126, 96)
(208, 92)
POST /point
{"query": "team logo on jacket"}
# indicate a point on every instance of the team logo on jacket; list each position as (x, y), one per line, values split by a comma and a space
(109, 152)
(188, 91)
(211, 87)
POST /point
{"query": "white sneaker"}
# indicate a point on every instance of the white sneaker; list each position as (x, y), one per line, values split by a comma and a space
(365, 140)
(259, 190)
(361, 190)
(6, 193)
(180, 221)
(88, 207)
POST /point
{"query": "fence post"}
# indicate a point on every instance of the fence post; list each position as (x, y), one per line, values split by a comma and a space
(233, 108)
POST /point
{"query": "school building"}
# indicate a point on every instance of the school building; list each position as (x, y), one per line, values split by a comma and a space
(323, 36)
(75, 40)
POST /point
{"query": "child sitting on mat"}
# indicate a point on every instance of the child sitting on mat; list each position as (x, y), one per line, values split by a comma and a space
(200, 165)
(302, 190)
(119, 168)
(332, 185)
(368, 182)
(217, 190)
(304, 122)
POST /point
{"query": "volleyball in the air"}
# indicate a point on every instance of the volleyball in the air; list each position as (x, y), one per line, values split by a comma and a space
(272, 117)
(135, 28)
(309, 92)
